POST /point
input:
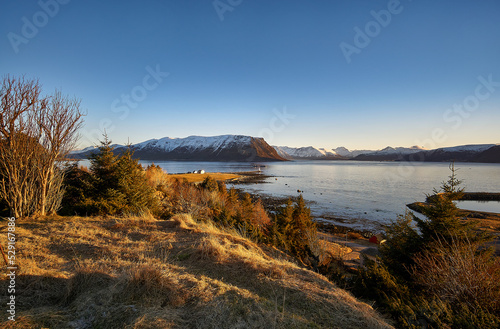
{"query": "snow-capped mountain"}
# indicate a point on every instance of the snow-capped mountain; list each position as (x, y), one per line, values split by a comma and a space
(194, 142)
(308, 152)
(342, 151)
(399, 150)
(198, 148)
(489, 153)
(247, 148)
(87, 149)
(389, 153)
(469, 153)
(468, 148)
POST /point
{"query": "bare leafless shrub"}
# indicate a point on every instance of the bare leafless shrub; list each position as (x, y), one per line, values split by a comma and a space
(460, 272)
(36, 134)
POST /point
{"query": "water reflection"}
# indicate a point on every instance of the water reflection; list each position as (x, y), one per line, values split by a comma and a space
(488, 206)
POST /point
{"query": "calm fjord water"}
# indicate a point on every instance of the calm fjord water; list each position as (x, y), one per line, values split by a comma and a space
(365, 194)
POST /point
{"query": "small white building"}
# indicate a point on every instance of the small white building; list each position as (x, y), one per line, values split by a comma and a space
(201, 171)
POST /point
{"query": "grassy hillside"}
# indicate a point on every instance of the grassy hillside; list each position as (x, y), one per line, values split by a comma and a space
(133, 272)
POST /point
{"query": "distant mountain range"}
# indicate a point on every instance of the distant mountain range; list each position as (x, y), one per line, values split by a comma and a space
(389, 153)
(489, 153)
(486, 153)
(250, 149)
(309, 152)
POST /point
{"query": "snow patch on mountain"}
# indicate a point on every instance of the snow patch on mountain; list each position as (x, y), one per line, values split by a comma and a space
(468, 148)
(86, 149)
(199, 148)
(195, 142)
(303, 152)
(314, 152)
(342, 151)
(398, 150)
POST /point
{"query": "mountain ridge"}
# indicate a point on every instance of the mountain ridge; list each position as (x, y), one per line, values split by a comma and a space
(484, 153)
(308, 152)
(489, 153)
(198, 148)
(249, 149)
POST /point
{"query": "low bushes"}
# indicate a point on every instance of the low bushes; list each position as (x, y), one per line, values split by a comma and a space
(117, 184)
(435, 272)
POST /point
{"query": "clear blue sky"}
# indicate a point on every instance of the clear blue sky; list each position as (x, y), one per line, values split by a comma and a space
(296, 72)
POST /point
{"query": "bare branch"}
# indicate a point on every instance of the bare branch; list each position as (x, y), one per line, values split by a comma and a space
(35, 134)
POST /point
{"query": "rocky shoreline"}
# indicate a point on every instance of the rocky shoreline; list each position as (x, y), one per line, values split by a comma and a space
(330, 227)
(333, 225)
(326, 223)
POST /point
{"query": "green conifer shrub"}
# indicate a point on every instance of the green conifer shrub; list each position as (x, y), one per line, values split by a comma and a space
(210, 184)
(116, 184)
(79, 185)
(294, 230)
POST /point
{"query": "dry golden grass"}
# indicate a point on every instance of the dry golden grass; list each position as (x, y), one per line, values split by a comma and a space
(331, 251)
(139, 272)
(197, 178)
(355, 236)
(185, 221)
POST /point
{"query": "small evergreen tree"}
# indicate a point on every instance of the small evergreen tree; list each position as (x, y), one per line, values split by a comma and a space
(293, 228)
(115, 185)
(451, 187)
(132, 182)
(103, 166)
(443, 220)
(283, 226)
(402, 242)
(106, 197)
(305, 229)
(79, 185)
